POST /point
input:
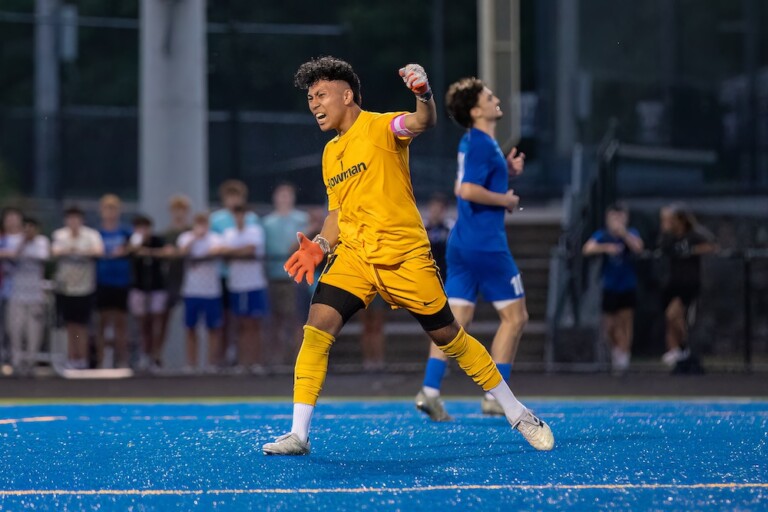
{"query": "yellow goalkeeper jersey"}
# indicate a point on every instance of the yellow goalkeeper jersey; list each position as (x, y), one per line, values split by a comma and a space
(367, 179)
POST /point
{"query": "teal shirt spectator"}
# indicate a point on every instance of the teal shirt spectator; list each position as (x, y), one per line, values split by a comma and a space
(222, 220)
(280, 231)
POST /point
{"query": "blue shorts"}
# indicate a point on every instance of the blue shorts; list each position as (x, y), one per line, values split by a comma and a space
(251, 304)
(492, 274)
(194, 307)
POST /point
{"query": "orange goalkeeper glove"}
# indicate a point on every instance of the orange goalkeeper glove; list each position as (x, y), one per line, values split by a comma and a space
(415, 79)
(303, 262)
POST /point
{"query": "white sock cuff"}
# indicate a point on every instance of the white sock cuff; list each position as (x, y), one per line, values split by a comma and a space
(302, 417)
(513, 408)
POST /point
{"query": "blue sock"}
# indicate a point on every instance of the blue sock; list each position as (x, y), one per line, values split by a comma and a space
(505, 369)
(433, 375)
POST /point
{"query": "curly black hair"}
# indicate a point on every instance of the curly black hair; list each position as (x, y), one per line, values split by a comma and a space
(328, 68)
(462, 96)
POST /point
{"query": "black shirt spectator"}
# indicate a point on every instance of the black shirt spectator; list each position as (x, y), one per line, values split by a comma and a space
(684, 263)
(148, 272)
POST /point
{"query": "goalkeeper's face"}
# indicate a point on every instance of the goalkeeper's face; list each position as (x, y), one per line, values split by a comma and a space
(329, 102)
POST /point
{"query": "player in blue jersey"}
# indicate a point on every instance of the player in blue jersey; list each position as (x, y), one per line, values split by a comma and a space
(478, 256)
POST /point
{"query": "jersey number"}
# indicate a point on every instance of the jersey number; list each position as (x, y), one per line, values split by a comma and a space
(517, 284)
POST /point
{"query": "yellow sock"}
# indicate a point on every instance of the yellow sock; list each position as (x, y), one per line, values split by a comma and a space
(311, 365)
(474, 360)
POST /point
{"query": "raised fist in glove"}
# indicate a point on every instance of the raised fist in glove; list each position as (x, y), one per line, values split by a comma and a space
(415, 79)
(303, 262)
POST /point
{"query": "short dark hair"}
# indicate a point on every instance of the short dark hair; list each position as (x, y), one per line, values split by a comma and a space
(233, 188)
(328, 68)
(74, 210)
(141, 220)
(32, 221)
(618, 206)
(462, 96)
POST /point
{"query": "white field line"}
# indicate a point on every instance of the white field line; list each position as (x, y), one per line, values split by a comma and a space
(380, 490)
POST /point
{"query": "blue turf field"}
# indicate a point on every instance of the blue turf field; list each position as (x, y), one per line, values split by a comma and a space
(625, 455)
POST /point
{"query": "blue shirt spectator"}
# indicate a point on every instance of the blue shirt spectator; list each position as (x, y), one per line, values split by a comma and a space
(618, 269)
(114, 271)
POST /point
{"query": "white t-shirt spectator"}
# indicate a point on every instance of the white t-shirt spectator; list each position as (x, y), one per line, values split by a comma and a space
(246, 275)
(201, 277)
(75, 273)
(28, 283)
(9, 244)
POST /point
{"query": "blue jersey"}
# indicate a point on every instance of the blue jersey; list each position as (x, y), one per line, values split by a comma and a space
(481, 227)
(114, 271)
(618, 271)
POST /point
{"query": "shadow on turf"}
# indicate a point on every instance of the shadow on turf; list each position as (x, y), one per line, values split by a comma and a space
(421, 458)
(410, 466)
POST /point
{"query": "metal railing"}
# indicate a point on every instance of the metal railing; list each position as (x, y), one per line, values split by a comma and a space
(731, 329)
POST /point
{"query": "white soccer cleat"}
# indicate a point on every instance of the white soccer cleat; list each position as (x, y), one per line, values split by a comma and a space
(674, 356)
(619, 361)
(491, 407)
(432, 407)
(535, 431)
(287, 444)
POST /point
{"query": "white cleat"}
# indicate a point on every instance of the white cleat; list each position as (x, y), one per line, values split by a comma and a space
(673, 356)
(432, 407)
(287, 444)
(535, 431)
(491, 407)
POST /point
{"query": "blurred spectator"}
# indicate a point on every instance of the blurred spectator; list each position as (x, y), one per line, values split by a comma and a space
(12, 237)
(11, 227)
(113, 279)
(148, 294)
(201, 288)
(232, 193)
(616, 243)
(438, 227)
(76, 247)
(681, 243)
(25, 314)
(179, 206)
(247, 284)
(280, 228)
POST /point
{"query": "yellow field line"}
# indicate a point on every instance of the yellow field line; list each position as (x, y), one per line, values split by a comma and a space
(388, 490)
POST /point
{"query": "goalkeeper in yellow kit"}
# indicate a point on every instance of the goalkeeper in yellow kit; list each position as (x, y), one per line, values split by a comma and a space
(376, 244)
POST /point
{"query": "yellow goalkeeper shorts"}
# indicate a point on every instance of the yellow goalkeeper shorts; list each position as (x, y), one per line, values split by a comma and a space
(414, 284)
